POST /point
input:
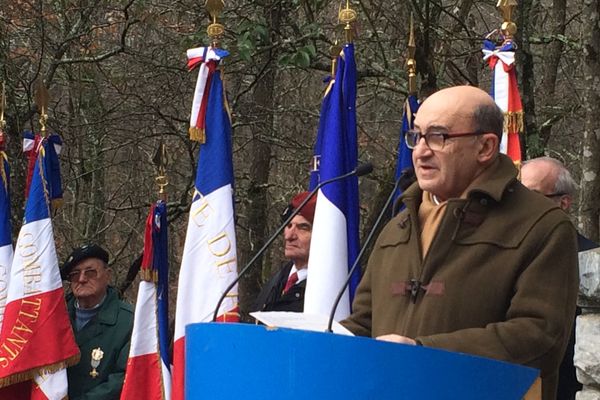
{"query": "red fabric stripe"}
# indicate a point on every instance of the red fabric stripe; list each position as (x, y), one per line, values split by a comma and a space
(147, 261)
(143, 379)
(230, 316)
(31, 158)
(194, 62)
(178, 370)
(28, 325)
(201, 121)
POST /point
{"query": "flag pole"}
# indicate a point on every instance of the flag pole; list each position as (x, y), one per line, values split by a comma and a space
(215, 30)
(411, 63)
(161, 160)
(41, 99)
(508, 27)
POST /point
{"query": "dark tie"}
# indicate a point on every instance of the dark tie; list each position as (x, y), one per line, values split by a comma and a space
(290, 282)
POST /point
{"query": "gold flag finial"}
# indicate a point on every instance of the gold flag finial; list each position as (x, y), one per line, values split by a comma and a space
(411, 63)
(215, 30)
(347, 16)
(335, 51)
(507, 7)
(41, 100)
(161, 160)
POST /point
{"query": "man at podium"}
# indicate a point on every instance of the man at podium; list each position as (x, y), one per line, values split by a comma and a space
(285, 290)
(475, 263)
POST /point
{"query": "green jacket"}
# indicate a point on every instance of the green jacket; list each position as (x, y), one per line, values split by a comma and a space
(500, 278)
(110, 330)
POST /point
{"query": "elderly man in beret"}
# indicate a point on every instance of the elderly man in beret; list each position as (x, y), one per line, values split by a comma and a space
(102, 325)
(285, 290)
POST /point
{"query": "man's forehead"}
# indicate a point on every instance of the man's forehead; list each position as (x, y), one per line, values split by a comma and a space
(89, 263)
(300, 220)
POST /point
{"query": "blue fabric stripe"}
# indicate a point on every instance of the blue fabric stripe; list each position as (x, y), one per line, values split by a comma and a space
(215, 166)
(5, 223)
(337, 146)
(160, 246)
(36, 206)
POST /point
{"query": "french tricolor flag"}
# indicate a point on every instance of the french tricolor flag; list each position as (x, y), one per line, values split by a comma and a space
(148, 373)
(35, 306)
(209, 262)
(335, 243)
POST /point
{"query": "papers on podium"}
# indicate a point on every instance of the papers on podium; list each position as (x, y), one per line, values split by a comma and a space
(298, 320)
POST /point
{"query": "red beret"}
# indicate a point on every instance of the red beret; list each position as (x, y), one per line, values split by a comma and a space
(308, 211)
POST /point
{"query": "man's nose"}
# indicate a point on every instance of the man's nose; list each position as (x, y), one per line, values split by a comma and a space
(421, 148)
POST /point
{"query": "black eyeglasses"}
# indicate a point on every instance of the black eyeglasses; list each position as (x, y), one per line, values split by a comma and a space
(88, 273)
(558, 194)
(433, 140)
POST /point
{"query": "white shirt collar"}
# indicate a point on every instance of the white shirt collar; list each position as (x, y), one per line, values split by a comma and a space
(302, 273)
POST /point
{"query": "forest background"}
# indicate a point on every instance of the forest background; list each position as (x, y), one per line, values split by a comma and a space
(119, 87)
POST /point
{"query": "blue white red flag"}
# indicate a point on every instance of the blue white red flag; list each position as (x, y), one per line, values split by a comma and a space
(505, 91)
(335, 239)
(35, 306)
(411, 105)
(209, 262)
(148, 373)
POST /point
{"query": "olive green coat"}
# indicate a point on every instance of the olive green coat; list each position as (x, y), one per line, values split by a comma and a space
(500, 277)
(110, 330)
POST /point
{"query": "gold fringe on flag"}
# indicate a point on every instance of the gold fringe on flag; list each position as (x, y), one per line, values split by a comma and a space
(149, 275)
(197, 135)
(47, 369)
(513, 122)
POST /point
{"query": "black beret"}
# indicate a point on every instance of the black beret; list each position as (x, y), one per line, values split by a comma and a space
(81, 253)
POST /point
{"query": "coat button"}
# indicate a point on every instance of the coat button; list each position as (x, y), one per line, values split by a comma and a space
(297, 295)
(483, 202)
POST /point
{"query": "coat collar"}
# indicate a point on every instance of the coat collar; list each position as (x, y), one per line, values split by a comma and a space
(493, 182)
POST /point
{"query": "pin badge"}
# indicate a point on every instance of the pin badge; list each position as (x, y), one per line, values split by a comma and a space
(97, 355)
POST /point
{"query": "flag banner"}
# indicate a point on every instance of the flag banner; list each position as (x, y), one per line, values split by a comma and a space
(411, 105)
(35, 307)
(147, 375)
(505, 92)
(209, 262)
(6, 248)
(200, 58)
(335, 240)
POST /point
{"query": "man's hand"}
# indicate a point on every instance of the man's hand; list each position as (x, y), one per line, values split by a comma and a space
(396, 339)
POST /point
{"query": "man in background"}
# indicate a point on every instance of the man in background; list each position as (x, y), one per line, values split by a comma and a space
(550, 178)
(285, 290)
(102, 325)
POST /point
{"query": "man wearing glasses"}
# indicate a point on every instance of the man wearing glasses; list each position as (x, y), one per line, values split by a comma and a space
(475, 263)
(102, 325)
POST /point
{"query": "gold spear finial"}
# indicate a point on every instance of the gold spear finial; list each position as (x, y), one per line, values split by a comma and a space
(411, 63)
(41, 100)
(215, 30)
(507, 7)
(347, 16)
(161, 160)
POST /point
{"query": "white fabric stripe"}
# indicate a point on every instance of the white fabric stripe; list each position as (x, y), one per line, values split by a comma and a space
(209, 262)
(328, 261)
(35, 264)
(6, 256)
(28, 144)
(54, 386)
(501, 97)
(166, 377)
(144, 339)
(198, 93)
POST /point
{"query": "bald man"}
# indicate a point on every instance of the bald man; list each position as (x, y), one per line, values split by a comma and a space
(475, 263)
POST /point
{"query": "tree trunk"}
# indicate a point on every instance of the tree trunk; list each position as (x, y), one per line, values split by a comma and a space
(590, 159)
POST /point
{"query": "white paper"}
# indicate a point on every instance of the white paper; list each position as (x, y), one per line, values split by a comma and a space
(298, 320)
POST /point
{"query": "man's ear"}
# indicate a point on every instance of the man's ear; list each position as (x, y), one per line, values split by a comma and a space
(489, 147)
(565, 202)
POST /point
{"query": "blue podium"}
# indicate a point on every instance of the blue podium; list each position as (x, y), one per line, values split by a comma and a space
(241, 361)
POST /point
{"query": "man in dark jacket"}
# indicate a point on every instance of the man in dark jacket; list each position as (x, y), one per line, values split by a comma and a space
(285, 290)
(102, 325)
(475, 263)
(549, 177)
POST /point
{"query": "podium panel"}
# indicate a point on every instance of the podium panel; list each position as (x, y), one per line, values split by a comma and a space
(242, 361)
